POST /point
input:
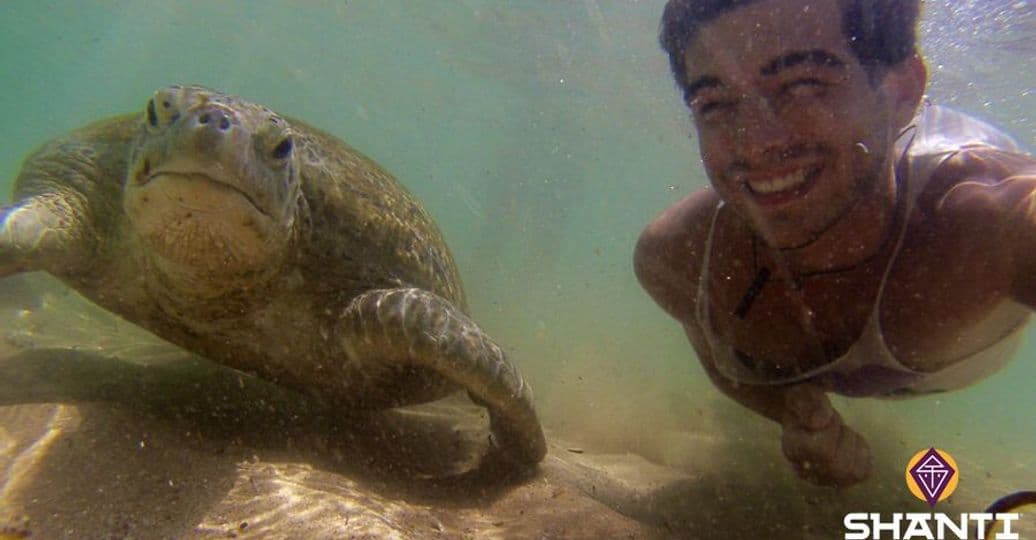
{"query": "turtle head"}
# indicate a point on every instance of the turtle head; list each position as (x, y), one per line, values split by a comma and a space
(212, 189)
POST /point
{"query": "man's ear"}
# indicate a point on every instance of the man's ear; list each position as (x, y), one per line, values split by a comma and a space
(904, 84)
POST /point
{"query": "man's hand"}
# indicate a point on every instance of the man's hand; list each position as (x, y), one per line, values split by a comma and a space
(818, 444)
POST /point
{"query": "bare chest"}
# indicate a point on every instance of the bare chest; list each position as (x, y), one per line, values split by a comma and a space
(930, 305)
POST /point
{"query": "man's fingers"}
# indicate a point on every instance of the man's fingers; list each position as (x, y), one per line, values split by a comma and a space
(837, 456)
(855, 446)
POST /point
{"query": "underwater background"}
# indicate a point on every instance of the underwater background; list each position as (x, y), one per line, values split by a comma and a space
(542, 136)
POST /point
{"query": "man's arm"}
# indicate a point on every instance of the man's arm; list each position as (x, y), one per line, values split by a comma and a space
(667, 262)
(816, 441)
(1020, 183)
(994, 191)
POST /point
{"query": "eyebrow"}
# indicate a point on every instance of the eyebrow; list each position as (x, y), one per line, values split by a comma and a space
(707, 81)
(818, 57)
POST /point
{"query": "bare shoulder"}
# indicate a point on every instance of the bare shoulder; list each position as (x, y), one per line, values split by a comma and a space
(982, 181)
(983, 200)
(677, 233)
(668, 255)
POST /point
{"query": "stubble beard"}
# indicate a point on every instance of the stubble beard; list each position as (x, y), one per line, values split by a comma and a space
(784, 231)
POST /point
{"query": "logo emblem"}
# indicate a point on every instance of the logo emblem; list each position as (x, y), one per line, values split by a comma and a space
(932, 475)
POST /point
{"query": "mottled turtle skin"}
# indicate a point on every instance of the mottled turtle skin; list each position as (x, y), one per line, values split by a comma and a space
(266, 245)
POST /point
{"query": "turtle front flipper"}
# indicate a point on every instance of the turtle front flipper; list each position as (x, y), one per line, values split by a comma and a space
(37, 233)
(425, 330)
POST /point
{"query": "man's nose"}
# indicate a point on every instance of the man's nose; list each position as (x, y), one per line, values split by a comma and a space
(760, 131)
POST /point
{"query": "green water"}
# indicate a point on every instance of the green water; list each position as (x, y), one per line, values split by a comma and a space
(542, 136)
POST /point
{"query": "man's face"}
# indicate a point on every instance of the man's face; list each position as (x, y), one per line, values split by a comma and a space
(791, 132)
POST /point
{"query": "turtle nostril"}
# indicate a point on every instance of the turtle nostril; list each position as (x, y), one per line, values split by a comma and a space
(214, 119)
(283, 149)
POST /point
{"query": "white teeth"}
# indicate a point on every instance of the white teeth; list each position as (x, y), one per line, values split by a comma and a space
(779, 183)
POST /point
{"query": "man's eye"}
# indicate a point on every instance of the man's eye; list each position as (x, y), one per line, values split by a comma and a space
(712, 107)
(805, 87)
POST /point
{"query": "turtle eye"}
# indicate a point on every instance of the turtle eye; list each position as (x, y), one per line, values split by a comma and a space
(283, 148)
(152, 117)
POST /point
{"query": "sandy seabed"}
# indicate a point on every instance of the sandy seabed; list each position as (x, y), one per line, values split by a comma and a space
(105, 432)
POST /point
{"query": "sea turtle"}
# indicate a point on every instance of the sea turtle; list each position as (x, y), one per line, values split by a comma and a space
(267, 245)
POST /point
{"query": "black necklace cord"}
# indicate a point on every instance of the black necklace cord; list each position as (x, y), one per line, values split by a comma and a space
(760, 280)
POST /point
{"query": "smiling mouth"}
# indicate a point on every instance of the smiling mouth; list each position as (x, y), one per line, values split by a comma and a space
(782, 188)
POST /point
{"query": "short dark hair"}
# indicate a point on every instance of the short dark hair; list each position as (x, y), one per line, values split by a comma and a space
(881, 33)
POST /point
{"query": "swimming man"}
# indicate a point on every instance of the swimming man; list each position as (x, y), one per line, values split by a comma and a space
(853, 241)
